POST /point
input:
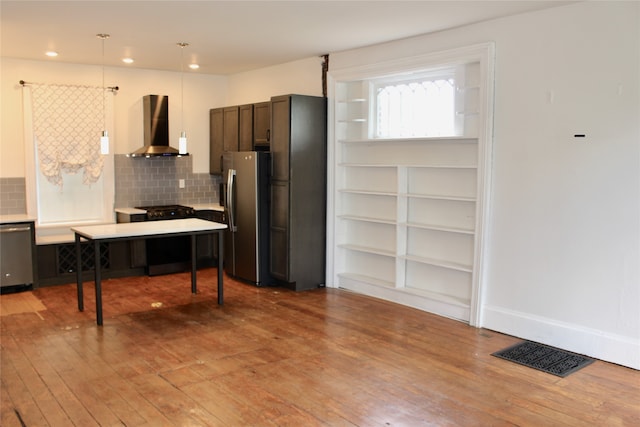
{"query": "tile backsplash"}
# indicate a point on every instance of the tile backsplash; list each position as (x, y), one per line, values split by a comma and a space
(138, 182)
(13, 196)
(155, 181)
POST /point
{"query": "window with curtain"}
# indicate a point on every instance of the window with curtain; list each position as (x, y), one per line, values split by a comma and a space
(72, 182)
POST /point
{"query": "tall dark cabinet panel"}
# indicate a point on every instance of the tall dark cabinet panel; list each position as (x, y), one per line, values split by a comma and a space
(245, 132)
(224, 135)
(298, 190)
(231, 128)
(216, 140)
(261, 125)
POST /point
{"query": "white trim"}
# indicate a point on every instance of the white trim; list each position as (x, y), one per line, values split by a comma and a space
(29, 153)
(412, 64)
(571, 337)
(330, 278)
(483, 194)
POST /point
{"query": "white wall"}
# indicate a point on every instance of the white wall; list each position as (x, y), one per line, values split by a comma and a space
(302, 77)
(563, 255)
(201, 92)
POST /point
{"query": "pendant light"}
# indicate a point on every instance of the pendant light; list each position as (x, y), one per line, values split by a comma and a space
(104, 139)
(182, 141)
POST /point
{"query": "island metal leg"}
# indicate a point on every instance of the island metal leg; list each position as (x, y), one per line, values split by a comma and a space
(79, 274)
(220, 264)
(194, 259)
(96, 246)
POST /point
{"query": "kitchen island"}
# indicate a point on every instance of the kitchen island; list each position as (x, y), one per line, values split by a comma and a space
(152, 229)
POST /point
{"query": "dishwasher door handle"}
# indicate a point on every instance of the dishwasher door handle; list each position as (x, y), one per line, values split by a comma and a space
(14, 229)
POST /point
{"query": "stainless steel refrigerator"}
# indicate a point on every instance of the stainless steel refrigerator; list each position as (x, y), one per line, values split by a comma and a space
(247, 207)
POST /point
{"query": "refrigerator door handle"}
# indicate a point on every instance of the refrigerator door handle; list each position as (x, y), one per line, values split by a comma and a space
(231, 174)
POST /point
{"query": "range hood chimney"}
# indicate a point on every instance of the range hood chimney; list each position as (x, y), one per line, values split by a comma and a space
(156, 128)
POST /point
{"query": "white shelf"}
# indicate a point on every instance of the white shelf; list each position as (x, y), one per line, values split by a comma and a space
(388, 165)
(368, 250)
(435, 296)
(367, 279)
(439, 228)
(439, 263)
(367, 219)
(366, 165)
(353, 121)
(352, 100)
(441, 166)
(439, 197)
(368, 193)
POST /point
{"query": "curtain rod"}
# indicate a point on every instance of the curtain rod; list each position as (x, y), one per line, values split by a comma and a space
(111, 88)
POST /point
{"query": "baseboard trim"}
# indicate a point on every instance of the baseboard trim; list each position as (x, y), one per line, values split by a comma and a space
(601, 345)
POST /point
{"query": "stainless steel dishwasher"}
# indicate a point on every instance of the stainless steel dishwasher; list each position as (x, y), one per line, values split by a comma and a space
(16, 254)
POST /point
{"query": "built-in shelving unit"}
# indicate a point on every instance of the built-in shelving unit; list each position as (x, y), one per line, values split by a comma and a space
(407, 210)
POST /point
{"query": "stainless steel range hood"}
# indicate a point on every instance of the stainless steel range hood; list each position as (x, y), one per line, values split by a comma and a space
(156, 128)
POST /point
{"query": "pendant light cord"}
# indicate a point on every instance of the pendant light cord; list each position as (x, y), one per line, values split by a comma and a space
(104, 108)
(182, 88)
(182, 46)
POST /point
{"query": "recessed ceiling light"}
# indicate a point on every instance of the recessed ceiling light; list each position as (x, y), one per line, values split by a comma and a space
(194, 66)
(51, 54)
(127, 60)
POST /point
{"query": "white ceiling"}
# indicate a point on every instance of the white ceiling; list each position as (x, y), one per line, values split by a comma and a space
(226, 36)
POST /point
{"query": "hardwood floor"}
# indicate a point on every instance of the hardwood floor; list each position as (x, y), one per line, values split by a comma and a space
(273, 357)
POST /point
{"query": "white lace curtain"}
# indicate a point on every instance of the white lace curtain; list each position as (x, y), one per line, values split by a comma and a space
(67, 121)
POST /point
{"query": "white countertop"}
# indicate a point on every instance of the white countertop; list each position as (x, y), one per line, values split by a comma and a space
(131, 211)
(12, 219)
(146, 228)
(208, 207)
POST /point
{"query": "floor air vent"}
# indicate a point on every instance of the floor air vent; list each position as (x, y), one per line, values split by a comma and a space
(544, 358)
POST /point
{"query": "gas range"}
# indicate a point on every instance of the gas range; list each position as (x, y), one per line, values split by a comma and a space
(155, 213)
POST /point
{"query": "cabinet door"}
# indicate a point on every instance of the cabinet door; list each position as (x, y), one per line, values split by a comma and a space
(215, 141)
(245, 142)
(231, 119)
(280, 136)
(279, 239)
(261, 124)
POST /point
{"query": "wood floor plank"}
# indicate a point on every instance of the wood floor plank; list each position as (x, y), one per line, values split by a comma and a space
(273, 357)
(59, 390)
(177, 406)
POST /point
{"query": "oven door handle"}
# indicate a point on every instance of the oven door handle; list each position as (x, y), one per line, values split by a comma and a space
(231, 208)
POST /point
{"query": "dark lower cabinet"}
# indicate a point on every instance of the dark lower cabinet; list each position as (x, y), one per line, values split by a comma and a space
(57, 262)
(279, 237)
(298, 190)
(207, 244)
